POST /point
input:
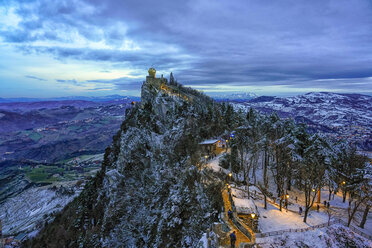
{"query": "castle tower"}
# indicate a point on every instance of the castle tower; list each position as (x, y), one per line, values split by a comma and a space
(152, 72)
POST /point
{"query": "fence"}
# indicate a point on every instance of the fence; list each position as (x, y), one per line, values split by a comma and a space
(338, 221)
(356, 230)
(273, 233)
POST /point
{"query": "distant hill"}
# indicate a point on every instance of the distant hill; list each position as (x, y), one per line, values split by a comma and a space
(236, 97)
(54, 130)
(346, 116)
(70, 98)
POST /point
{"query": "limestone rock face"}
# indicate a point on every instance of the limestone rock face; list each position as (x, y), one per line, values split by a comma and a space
(148, 192)
(160, 101)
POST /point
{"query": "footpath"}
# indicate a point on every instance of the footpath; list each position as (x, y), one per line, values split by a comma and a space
(240, 237)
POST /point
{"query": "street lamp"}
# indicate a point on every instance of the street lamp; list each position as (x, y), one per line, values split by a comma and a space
(343, 182)
(230, 174)
(206, 156)
(253, 215)
(313, 190)
(287, 196)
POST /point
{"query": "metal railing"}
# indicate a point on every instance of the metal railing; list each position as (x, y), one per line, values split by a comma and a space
(338, 221)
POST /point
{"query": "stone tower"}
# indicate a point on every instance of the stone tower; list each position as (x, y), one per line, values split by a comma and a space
(151, 79)
(152, 72)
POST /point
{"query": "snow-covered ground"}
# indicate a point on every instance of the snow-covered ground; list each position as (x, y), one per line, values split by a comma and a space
(333, 236)
(213, 164)
(272, 219)
(25, 211)
(339, 209)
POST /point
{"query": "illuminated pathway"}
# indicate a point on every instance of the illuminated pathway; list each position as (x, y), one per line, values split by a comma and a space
(240, 237)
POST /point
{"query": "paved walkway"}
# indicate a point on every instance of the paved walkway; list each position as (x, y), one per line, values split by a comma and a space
(240, 237)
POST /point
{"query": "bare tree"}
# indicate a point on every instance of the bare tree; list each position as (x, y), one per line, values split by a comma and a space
(365, 214)
(329, 214)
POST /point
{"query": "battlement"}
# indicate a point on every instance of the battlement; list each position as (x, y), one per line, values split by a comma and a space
(156, 81)
(161, 84)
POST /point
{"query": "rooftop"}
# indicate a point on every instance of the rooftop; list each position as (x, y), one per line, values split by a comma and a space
(209, 142)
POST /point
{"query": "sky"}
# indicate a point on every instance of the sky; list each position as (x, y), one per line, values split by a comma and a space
(94, 48)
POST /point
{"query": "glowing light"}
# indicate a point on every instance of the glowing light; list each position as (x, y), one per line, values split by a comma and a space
(230, 174)
(253, 215)
(313, 190)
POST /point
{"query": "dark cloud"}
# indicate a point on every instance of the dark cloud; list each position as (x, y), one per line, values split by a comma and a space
(241, 43)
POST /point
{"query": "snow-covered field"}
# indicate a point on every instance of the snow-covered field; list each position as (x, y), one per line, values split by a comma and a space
(25, 211)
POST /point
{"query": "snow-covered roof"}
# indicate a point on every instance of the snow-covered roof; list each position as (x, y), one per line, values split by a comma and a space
(243, 205)
(209, 142)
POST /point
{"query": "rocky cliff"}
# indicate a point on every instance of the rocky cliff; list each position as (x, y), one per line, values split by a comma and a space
(149, 191)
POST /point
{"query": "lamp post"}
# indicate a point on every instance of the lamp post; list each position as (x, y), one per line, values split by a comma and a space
(253, 222)
(343, 190)
(318, 200)
(286, 201)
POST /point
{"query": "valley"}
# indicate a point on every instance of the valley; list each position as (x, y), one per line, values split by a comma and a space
(49, 145)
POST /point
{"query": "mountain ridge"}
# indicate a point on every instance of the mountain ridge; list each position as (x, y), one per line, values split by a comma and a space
(68, 98)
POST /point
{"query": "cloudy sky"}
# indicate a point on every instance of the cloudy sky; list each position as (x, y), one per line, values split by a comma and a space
(91, 47)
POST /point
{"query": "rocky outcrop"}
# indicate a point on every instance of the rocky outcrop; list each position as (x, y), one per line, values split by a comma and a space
(149, 191)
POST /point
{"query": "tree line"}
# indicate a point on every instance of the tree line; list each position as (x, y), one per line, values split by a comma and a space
(296, 157)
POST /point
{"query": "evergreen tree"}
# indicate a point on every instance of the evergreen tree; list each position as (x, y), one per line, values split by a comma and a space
(311, 169)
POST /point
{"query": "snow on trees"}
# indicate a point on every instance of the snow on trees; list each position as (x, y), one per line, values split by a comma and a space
(311, 169)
